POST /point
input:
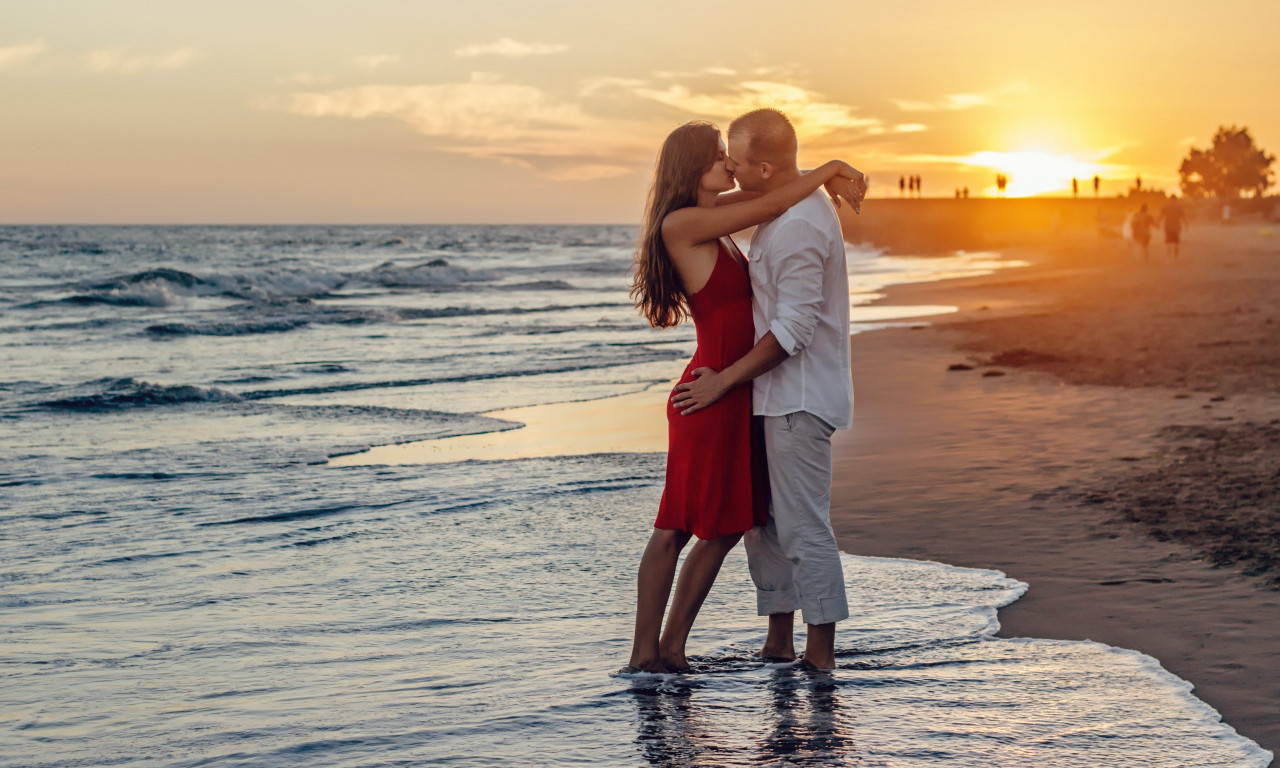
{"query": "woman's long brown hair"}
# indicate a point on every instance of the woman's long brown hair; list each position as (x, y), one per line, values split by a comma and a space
(686, 155)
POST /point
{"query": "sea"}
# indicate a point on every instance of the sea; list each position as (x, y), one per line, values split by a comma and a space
(187, 580)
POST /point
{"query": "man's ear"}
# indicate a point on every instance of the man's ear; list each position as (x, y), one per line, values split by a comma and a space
(766, 170)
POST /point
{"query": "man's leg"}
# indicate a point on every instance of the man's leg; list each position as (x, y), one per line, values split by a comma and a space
(801, 481)
(780, 642)
(771, 569)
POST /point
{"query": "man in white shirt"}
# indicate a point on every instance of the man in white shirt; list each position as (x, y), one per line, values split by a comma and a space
(802, 387)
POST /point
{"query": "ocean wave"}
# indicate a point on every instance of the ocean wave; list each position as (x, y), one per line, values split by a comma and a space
(277, 284)
(310, 513)
(296, 314)
(158, 287)
(174, 276)
(539, 285)
(153, 293)
(166, 287)
(124, 393)
(437, 274)
(566, 367)
(225, 329)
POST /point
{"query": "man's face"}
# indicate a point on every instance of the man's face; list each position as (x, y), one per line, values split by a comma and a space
(749, 175)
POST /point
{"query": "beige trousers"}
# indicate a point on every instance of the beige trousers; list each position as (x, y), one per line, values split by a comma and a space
(794, 561)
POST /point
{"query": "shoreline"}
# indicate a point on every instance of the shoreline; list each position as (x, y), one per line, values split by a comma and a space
(1018, 469)
(1022, 466)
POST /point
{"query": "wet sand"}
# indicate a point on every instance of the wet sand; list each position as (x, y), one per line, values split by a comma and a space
(630, 423)
(1120, 456)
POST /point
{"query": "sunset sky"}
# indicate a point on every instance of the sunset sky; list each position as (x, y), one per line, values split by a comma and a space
(319, 111)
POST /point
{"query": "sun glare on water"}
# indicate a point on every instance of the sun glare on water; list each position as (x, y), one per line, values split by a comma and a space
(1036, 173)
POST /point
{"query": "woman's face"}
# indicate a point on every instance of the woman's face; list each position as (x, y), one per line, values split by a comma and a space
(718, 178)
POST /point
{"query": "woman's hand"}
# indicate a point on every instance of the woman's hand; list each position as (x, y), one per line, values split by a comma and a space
(850, 184)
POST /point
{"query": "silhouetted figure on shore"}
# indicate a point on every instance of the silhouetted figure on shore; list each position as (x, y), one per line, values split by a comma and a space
(966, 193)
(1174, 219)
(1002, 183)
(1096, 183)
(918, 189)
(902, 186)
(1075, 187)
(1140, 227)
(957, 193)
(1137, 184)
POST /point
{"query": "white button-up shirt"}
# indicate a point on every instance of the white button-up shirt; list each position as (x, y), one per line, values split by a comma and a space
(800, 291)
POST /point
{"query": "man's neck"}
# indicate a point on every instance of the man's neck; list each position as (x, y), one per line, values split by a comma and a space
(781, 178)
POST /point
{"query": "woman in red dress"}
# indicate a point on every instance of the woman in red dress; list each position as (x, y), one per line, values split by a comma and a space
(688, 266)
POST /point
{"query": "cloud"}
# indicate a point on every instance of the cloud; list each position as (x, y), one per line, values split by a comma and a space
(488, 118)
(374, 61)
(120, 60)
(910, 127)
(18, 54)
(958, 101)
(482, 109)
(809, 112)
(705, 71)
(508, 48)
(558, 135)
(305, 79)
(951, 102)
(594, 86)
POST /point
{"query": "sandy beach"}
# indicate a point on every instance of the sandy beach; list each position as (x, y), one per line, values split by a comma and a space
(1109, 434)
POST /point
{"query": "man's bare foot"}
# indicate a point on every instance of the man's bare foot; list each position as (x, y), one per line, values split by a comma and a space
(808, 665)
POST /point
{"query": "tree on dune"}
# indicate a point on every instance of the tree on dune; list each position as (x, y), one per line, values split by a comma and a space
(1228, 169)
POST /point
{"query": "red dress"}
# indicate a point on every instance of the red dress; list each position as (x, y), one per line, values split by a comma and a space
(717, 481)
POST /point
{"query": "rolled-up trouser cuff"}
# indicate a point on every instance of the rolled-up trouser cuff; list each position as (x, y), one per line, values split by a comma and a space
(824, 610)
(769, 602)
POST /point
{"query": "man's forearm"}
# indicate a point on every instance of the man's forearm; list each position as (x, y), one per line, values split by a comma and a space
(766, 355)
(710, 385)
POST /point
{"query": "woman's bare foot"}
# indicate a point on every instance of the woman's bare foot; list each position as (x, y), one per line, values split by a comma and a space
(675, 661)
(776, 655)
(644, 665)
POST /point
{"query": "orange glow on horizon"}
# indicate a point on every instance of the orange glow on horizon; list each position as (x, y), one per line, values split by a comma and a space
(1032, 172)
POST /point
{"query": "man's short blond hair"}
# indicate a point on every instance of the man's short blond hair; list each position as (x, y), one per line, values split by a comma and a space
(770, 137)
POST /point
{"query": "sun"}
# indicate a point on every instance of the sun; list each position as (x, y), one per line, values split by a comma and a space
(1032, 172)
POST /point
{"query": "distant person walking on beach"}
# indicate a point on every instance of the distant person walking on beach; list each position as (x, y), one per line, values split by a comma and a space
(687, 265)
(1174, 219)
(902, 185)
(1097, 182)
(1075, 187)
(1140, 227)
(802, 387)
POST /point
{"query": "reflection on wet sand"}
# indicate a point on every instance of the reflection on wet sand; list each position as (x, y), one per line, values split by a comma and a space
(683, 723)
(808, 726)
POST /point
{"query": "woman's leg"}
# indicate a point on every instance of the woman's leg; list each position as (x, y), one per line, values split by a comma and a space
(696, 577)
(653, 586)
